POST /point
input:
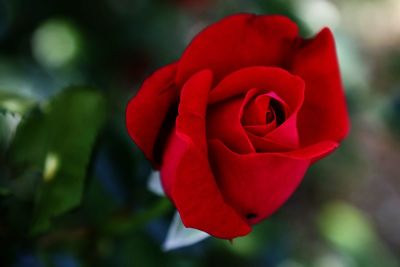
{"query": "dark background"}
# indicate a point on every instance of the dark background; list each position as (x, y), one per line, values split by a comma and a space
(73, 185)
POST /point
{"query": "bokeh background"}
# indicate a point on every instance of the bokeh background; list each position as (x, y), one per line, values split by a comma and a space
(73, 185)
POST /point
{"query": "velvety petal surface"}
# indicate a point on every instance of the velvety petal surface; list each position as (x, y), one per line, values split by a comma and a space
(239, 41)
(145, 112)
(186, 175)
(288, 87)
(284, 134)
(264, 144)
(257, 184)
(256, 112)
(279, 84)
(223, 123)
(324, 114)
(259, 130)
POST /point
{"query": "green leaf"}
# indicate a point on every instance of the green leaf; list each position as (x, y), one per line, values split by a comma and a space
(57, 141)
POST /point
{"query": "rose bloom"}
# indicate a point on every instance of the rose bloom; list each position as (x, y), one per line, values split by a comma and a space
(235, 123)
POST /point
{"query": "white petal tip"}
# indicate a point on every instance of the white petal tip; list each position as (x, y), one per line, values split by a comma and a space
(179, 236)
(154, 183)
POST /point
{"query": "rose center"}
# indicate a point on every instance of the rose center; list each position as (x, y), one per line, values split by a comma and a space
(275, 113)
(263, 110)
(270, 117)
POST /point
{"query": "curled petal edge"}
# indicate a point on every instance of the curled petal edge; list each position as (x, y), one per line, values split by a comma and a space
(186, 175)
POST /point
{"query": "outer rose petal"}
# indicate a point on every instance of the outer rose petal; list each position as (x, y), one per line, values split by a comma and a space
(238, 41)
(258, 184)
(145, 112)
(324, 114)
(186, 174)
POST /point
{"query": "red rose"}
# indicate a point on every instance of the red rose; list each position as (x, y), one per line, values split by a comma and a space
(235, 123)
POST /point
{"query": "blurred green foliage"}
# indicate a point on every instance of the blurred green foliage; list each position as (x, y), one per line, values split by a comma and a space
(49, 155)
(57, 142)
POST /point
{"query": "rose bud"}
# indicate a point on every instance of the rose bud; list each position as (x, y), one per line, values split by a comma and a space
(235, 123)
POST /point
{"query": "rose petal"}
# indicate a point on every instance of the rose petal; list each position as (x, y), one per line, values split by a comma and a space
(258, 184)
(264, 144)
(313, 152)
(288, 87)
(286, 134)
(146, 112)
(283, 136)
(324, 114)
(223, 123)
(259, 130)
(281, 84)
(255, 107)
(186, 174)
(238, 41)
